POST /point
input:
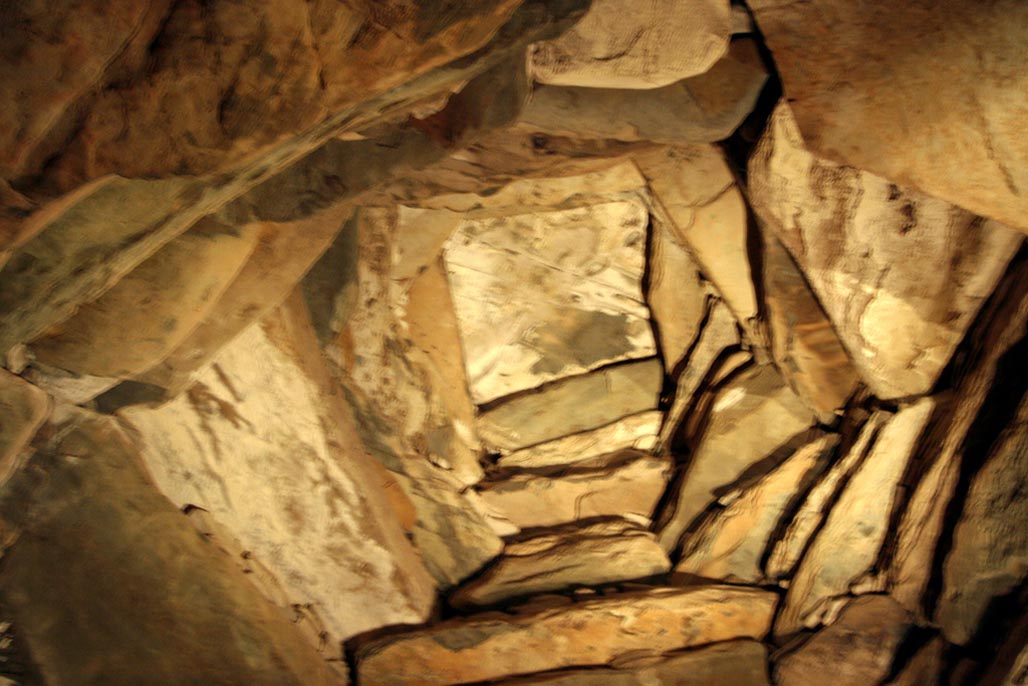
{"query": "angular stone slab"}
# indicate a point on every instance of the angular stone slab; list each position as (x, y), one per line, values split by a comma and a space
(638, 431)
(262, 441)
(677, 294)
(653, 45)
(589, 633)
(751, 417)
(572, 405)
(855, 98)
(109, 583)
(846, 549)
(739, 663)
(989, 557)
(593, 554)
(584, 307)
(23, 409)
(862, 244)
(731, 546)
(628, 487)
(859, 647)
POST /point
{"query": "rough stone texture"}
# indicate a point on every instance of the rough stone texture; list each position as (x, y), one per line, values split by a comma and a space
(23, 409)
(855, 80)
(740, 663)
(593, 632)
(701, 109)
(731, 545)
(925, 667)
(807, 519)
(259, 432)
(626, 485)
(989, 557)
(863, 244)
(655, 44)
(152, 309)
(695, 194)
(677, 295)
(103, 565)
(584, 309)
(572, 405)
(805, 346)
(752, 417)
(847, 548)
(638, 431)
(859, 647)
(591, 554)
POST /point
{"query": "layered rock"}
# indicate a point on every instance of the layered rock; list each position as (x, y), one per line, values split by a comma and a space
(637, 431)
(592, 554)
(593, 632)
(24, 408)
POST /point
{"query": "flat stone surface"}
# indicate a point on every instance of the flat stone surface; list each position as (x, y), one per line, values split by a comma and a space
(740, 663)
(262, 442)
(859, 647)
(848, 545)
(731, 545)
(989, 557)
(862, 244)
(572, 405)
(109, 583)
(584, 308)
(752, 416)
(677, 295)
(590, 554)
(654, 45)
(960, 71)
(23, 408)
(628, 485)
(638, 431)
(589, 633)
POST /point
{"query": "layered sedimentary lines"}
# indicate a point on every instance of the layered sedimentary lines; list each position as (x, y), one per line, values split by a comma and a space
(513, 342)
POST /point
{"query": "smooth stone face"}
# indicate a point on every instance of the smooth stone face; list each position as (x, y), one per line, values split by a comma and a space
(848, 545)
(989, 557)
(592, 632)
(963, 76)
(731, 545)
(108, 582)
(544, 296)
(628, 486)
(638, 431)
(572, 405)
(700, 109)
(262, 442)
(862, 244)
(655, 44)
(740, 663)
(677, 295)
(859, 647)
(590, 555)
(752, 416)
(23, 409)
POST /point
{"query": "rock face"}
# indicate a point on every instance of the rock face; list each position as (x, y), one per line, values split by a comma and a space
(589, 633)
(24, 409)
(96, 539)
(594, 554)
(965, 66)
(263, 408)
(637, 431)
(865, 230)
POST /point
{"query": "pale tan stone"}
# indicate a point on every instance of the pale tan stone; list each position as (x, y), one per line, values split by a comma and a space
(572, 405)
(638, 431)
(627, 486)
(677, 295)
(418, 239)
(263, 443)
(752, 416)
(584, 307)
(848, 546)
(653, 45)
(731, 545)
(593, 554)
(945, 118)
(153, 308)
(863, 244)
(858, 649)
(593, 632)
(23, 409)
